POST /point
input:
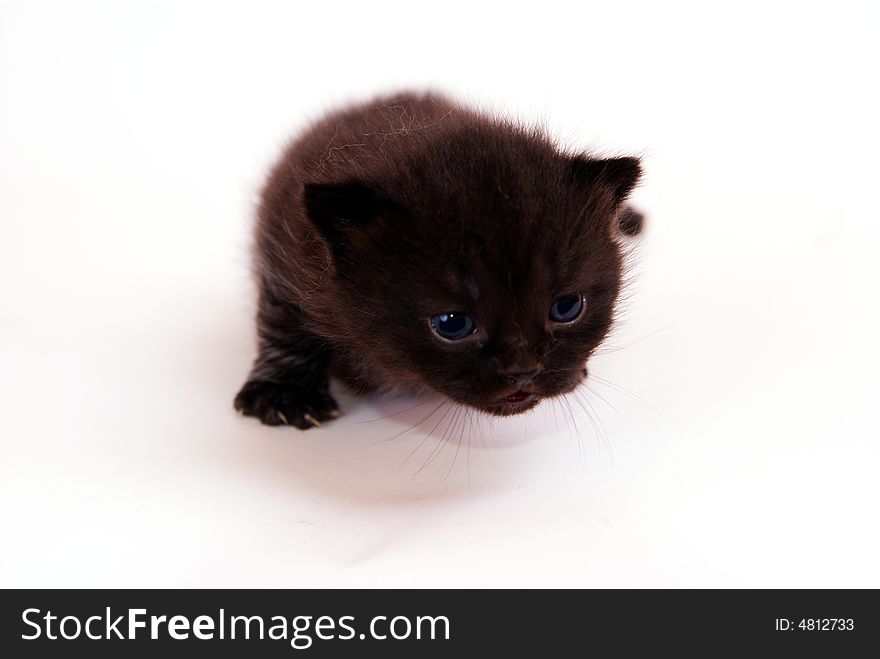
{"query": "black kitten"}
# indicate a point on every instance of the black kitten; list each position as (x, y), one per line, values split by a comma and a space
(413, 245)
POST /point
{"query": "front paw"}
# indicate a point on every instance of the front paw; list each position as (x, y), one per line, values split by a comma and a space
(277, 404)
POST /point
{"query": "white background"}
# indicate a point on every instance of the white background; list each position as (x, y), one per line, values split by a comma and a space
(133, 142)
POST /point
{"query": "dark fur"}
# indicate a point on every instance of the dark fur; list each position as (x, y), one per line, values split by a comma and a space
(385, 214)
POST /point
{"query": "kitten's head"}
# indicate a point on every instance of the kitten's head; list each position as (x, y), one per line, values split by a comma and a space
(484, 265)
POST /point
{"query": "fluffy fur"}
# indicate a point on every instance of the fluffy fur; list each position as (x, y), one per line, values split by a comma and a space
(386, 214)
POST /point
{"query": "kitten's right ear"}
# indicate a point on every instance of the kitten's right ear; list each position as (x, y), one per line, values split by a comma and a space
(338, 210)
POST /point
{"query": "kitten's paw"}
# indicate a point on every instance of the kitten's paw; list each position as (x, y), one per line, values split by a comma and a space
(277, 404)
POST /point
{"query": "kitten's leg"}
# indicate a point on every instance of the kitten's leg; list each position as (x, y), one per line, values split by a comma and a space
(288, 384)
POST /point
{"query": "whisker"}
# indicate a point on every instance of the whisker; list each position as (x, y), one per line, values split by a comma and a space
(441, 443)
(626, 392)
(555, 415)
(388, 416)
(580, 439)
(600, 396)
(470, 438)
(596, 421)
(458, 448)
(609, 349)
(415, 425)
(436, 425)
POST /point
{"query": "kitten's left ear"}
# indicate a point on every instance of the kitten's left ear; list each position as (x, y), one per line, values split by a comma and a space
(619, 174)
(340, 210)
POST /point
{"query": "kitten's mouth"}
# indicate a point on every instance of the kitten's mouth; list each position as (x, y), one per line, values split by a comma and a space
(519, 397)
(518, 401)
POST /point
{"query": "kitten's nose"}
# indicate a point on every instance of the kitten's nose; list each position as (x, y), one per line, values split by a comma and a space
(521, 379)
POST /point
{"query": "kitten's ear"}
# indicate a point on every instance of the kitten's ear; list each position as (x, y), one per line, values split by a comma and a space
(620, 174)
(339, 209)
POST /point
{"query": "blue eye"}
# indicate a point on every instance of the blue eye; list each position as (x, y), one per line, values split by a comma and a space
(453, 326)
(566, 308)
